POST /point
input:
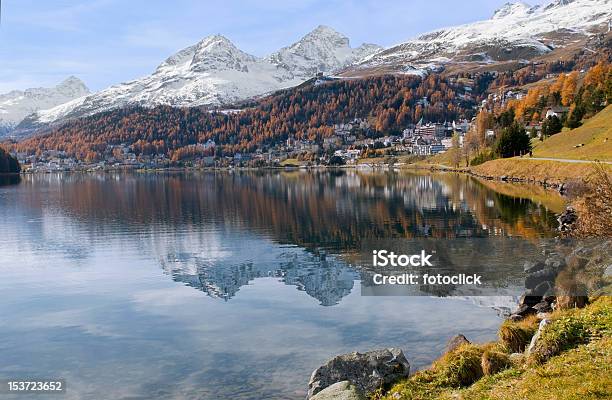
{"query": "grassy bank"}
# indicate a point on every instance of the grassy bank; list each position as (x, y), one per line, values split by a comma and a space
(571, 360)
(542, 171)
(591, 141)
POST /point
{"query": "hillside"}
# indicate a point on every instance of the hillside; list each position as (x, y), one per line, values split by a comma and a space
(308, 112)
(516, 32)
(594, 139)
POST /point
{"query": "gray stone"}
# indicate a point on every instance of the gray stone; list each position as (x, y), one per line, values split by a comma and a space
(367, 371)
(455, 342)
(524, 310)
(536, 337)
(529, 300)
(555, 262)
(344, 390)
(534, 279)
(543, 307)
(531, 266)
(515, 317)
(608, 272)
(543, 289)
(542, 315)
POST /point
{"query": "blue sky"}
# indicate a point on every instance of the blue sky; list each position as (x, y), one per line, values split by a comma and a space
(104, 42)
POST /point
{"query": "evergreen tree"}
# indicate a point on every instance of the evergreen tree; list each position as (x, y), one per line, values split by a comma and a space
(8, 163)
(551, 126)
(513, 141)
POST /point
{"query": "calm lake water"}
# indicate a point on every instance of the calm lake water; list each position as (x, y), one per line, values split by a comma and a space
(228, 285)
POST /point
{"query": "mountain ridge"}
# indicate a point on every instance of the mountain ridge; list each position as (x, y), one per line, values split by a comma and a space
(214, 72)
(17, 104)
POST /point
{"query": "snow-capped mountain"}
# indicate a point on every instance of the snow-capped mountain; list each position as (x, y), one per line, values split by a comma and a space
(322, 50)
(516, 31)
(17, 104)
(215, 72)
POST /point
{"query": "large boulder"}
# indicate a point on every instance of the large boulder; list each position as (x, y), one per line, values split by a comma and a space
(344, 390)
(367, 371)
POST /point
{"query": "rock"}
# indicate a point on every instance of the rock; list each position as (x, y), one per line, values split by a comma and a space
(529, 300)
(543, 289)
(549, 299)
(503, 177)
(555, 262)
(515, 317)
(367, 371)
(455, 342)
(531, 266)
(534, 279)
(542, 315)
(608, 272)
(536, 337)
(562, 188)
(543, 307)
(344, 390)
(524, 310)
(567, 220)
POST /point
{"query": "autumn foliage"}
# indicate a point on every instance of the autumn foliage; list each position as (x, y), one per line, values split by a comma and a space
(307, 112)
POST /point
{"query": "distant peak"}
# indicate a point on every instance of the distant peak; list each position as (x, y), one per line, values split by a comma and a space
(516, 8)
(324, 28)
(215, 40)
(326, 32)
(72, 82)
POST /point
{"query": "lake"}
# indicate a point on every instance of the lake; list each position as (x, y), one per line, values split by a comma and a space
(230, 285)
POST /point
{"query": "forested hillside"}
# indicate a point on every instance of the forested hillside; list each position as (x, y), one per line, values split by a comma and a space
(308, 112)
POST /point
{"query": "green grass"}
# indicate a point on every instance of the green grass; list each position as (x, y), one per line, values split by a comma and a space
(592, 134)
(578, 364)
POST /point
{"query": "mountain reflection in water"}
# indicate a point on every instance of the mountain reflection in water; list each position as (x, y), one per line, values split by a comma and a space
(217, 232)
(266, 275)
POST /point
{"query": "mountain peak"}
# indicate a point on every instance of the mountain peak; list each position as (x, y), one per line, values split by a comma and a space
(514, 9)
(72, 82)
(211, 53)
(215, 40)
(322, 50)
(324, 34)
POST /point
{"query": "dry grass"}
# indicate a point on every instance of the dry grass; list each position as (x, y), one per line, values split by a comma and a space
(493, 362)
(594, 208)
(460, 367)
(556, 172)
(515, 336)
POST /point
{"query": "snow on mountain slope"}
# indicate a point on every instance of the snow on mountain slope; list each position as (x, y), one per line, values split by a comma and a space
(516, 31)
(215, 72)
(17, 104)
(322, 50)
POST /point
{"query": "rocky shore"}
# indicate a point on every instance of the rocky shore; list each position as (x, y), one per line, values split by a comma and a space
(568, 272)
